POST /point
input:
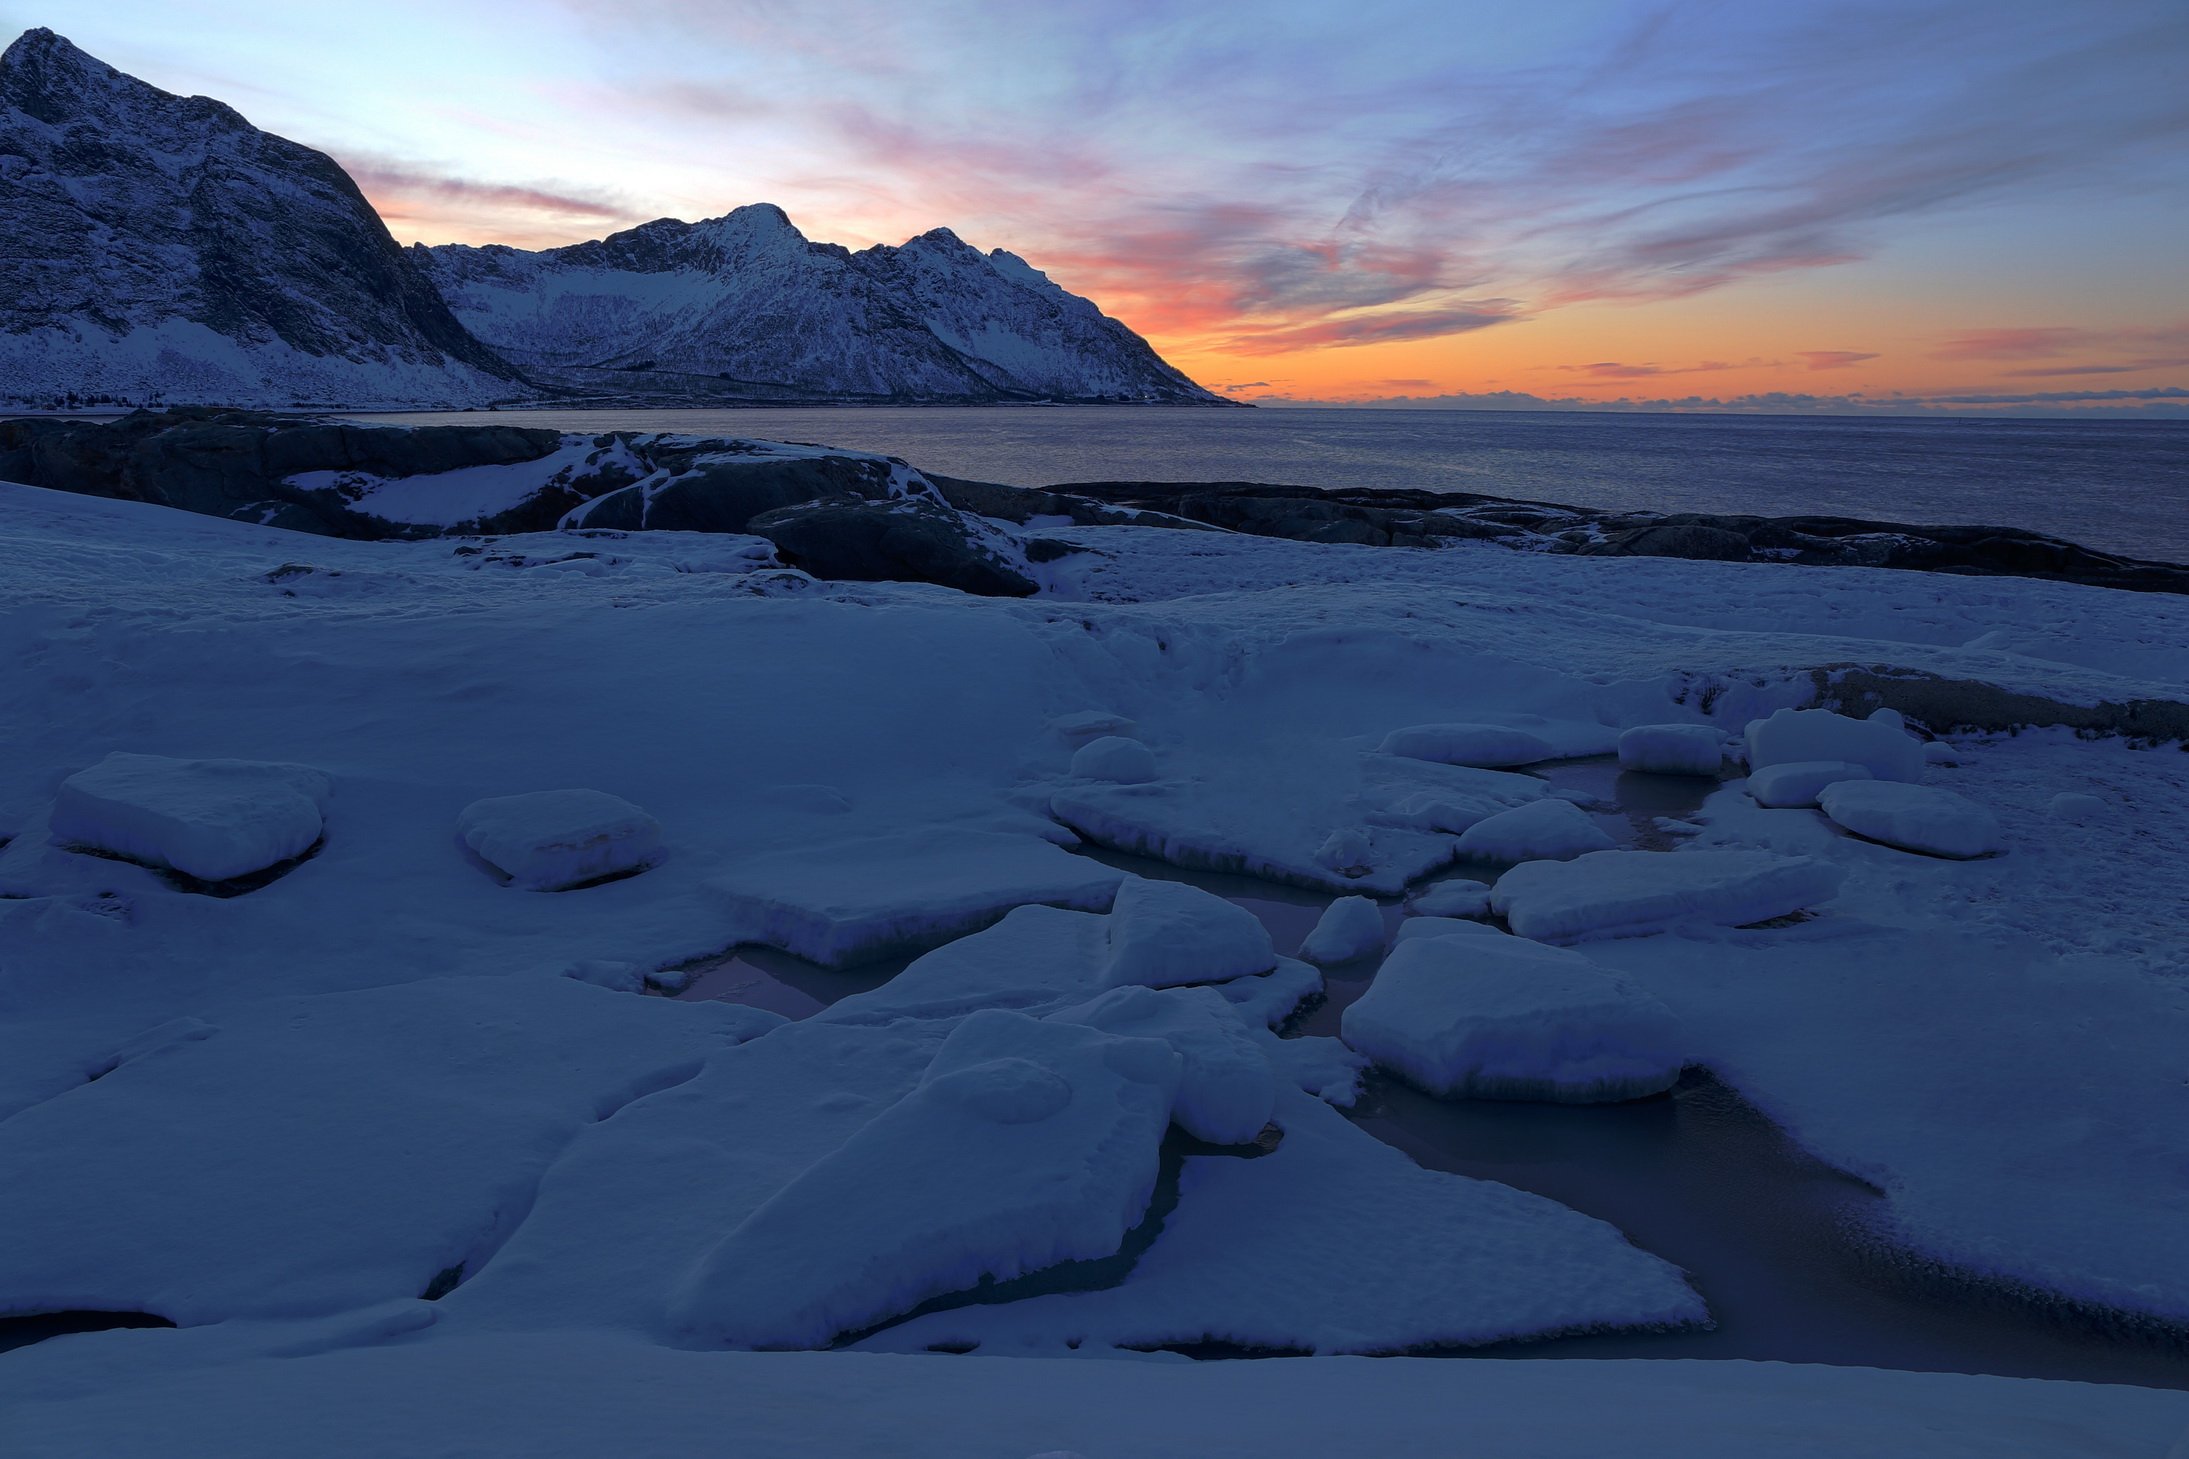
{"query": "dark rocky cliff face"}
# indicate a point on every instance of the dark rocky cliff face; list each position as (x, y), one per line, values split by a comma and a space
(158, 246)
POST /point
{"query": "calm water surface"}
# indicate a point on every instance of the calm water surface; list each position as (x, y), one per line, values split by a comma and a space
(2122, 486)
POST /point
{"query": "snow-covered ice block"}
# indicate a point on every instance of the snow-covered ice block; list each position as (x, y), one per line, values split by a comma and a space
(1457, 897)
(853, 901)
(1248, 1258)
(1116, 759)
(1027, 1143)
(1938, 752)
(1879, 744)
(1165, 933)
(1506, 1018)
(2073, 805)
(1228, 1090)
(1672, 749)
(1413, 929)
(1913, 817)
(1276, 995)
(1624, 893)
(319, 1153)
(210, 819)
(1350, 927)
(550, 840)
(1425, 795)
(1549, 829)
(1201, 828)
(1484, 746)
(1794, 784)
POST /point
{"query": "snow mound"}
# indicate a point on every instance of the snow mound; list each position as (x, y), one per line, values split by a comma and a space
(1457, 897)
(1228, 1090)
(1165, 933)
(1625, 893)
(1090, 724)
(1672, 749)
(1913, 817)
(1549, 829)
(1114, 758)
(210, 819)
(1026, 1144)
(551, 840)
(1879, 744)
(1350, 927)
(1795, 784)
(2073, 805)
(853, 901)
(1483, 746)
(1505, 1018)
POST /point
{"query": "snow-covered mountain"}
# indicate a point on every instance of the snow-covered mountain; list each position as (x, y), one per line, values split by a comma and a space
(161, 248)
(743, 305)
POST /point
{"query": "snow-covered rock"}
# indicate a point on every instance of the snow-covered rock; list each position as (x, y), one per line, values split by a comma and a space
(1454, 897)
(1879, 744)
(1349, 928)
(1672, 749)
(1795, 784)
(1550, 829)
(1026, 1143)
(1913, 817)
(1114, 758)
(1506, 1018)
(853, 901)
(1228, 1090)
(1166, 933)
(1483, 746)
(1624, 893)
(551, 840)
(209, 819)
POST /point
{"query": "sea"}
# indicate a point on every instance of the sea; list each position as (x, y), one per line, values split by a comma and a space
(2116, 485)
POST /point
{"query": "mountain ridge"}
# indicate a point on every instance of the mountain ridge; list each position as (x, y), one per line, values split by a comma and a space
(158, 249)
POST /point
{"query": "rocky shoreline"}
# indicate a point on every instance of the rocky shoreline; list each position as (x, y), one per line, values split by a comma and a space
(859, 516)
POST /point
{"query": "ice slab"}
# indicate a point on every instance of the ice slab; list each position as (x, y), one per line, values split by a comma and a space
(1456, 897)
(1413, 929)
(1447, 1260)
(1624, 893)
(1672, 749)
(1548, 829)
(854, 901)
(1913, 817)
(210, 819)
(1795, 784)
(1202, 829)
(552, 840)
(1116, 759)
(310, 1154)
(1484, 746)
(1228, 1089)
(1026, 1143)
(1506, 1018)
(1879, 744)
(1166, 933)
(1349, 928)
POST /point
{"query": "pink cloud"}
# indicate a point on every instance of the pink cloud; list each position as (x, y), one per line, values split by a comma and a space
(1834, 359)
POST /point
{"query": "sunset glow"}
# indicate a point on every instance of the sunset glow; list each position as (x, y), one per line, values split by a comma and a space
(1588, 202)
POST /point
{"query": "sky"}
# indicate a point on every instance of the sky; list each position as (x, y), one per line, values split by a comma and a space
(1781, 204)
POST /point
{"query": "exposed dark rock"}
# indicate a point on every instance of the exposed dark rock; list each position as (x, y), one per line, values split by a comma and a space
(724, 496)
(895, 541)
(1421, 518)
